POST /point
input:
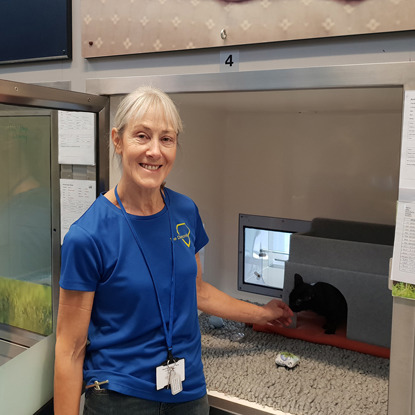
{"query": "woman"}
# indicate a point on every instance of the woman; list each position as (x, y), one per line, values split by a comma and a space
(131, 282)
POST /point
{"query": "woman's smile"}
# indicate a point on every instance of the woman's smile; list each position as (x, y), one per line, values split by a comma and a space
(150, 166)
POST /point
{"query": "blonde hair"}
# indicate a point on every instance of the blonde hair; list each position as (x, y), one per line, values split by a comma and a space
(137, 103)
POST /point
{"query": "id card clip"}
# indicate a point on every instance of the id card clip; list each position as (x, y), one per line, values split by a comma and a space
(96, 385)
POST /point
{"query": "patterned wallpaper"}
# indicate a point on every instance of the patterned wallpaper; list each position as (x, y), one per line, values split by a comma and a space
(121, 27)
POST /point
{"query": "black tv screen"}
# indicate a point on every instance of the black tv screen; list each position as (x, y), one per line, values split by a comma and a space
(35, 30)
(263, 249)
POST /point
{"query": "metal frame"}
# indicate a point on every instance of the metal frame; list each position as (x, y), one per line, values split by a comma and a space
(239, 407)
(16, 93)
(347, 76)
(19, 94)
(402, 369)
(270, 224)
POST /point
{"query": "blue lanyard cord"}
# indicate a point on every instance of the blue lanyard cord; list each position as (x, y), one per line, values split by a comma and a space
(167, 332)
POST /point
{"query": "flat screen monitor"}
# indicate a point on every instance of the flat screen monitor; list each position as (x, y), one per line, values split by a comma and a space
(263, 249)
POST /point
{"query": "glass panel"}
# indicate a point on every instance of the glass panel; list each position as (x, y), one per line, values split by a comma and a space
(265, 254)
(25, 222)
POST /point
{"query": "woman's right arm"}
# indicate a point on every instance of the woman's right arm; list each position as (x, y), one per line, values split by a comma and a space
(71, 336)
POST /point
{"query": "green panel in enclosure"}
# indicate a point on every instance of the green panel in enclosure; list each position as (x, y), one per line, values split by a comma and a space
(26, 305)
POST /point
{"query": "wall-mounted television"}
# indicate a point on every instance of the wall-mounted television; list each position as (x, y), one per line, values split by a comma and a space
(35, 30)
(263, 249)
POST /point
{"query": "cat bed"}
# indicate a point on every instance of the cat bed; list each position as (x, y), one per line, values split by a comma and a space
(353, 257)
(309, 328)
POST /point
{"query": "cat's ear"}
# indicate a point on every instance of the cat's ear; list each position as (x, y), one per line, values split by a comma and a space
(298, 280)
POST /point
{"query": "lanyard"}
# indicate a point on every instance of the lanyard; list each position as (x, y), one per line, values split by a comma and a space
(168, 333)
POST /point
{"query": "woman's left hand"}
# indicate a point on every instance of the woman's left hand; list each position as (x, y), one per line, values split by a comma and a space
(276, 312)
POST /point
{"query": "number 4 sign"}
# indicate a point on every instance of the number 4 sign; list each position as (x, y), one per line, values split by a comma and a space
(229, 61)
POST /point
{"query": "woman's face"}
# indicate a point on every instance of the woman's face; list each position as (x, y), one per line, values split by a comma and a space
(148, 150)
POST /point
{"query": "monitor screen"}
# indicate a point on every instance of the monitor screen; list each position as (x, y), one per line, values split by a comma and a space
(263, 249)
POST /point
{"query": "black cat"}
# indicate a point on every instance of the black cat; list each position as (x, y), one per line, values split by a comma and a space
(322, 298)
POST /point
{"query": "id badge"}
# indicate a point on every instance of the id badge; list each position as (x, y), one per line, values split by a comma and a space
(171, 375)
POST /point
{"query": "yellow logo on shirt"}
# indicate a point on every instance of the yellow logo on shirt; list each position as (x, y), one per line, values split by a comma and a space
(183, 233)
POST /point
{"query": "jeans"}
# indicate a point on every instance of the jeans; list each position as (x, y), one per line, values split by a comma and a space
(107, 402)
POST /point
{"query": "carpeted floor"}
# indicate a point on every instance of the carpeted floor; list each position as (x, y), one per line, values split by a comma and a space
(240, 362)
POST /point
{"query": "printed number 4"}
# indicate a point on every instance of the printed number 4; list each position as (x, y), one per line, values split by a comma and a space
(229, 60)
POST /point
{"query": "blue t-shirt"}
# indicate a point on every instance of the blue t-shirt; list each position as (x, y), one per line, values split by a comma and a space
(126, 337)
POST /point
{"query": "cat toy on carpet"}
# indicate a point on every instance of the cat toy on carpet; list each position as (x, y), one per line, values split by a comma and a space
(287, 360)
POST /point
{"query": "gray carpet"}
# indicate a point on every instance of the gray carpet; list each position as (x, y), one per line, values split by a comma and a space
(327, 381)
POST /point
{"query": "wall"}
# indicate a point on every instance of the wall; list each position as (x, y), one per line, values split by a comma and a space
(303, 154)
(395, 47)
(301, 166)
(353, 50)
(356, 50)
(319, 153)
(325, 163)
(199, 172)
